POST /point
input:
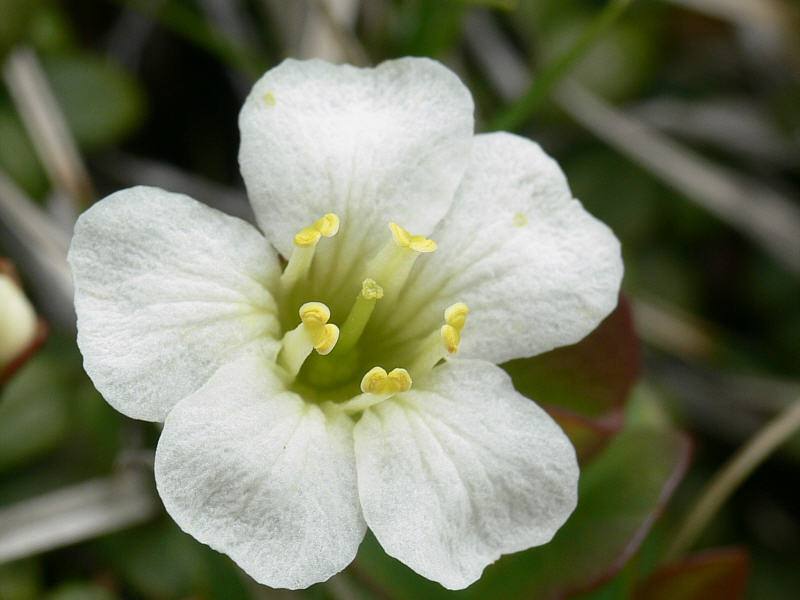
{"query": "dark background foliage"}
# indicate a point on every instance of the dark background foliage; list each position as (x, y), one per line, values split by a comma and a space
(677, 123)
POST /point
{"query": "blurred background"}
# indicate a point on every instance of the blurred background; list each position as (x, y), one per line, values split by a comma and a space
(677, 122)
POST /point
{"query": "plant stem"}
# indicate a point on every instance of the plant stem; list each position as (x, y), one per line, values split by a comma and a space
(516, 114)
(732, 474)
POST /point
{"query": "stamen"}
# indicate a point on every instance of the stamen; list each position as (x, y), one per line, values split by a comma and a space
(378, 382)
(359, 315)
(377, 386)
(313, 333)
(442, 343)
(305, 245)
(404, 239)
(392, 265)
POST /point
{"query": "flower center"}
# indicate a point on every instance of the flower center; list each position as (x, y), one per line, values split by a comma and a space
(330, 363)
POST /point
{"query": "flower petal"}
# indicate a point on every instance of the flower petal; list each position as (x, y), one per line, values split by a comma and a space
(536, 270)
(248, 468)
(166, 290)
(372, 145)
(465, 469)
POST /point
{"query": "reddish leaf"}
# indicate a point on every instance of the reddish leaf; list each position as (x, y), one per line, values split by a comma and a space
(719, 574)
(589, 436)
(590, 378)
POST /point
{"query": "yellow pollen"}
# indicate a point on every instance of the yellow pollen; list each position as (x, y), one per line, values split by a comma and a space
(456, 315)
(451, 338)
(269, 99)
(404, 239)
(307, 237)
(326, 226)
(378, 381)
(315, 316)
(370, 290)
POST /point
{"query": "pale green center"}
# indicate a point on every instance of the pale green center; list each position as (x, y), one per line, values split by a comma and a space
(329, 352)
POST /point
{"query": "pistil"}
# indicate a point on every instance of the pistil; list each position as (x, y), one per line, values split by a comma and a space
(359, 315)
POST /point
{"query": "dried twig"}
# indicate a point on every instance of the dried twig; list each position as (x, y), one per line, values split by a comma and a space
(47, 127)
(132, 170)
(731, 475)
(328, 32)
(231, 22)
(762, 214)
(41, 247)
(75, 514)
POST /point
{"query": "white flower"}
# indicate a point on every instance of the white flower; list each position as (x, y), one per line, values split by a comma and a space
(281, 456)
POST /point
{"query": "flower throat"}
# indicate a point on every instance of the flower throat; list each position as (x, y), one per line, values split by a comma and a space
(329, 358)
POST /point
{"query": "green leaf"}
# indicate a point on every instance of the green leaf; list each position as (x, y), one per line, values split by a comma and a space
(81, 591)
(499, 4)
(101, 102)
(620, 496)
(15, 17)
(719, 574)
(17, 156)
(158, 560)
(33, 412)
(20, 580)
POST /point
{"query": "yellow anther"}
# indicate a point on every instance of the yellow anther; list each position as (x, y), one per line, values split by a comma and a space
(370, 290)
(312, 313)
(404, 239)
(326, 342)
(315, 316)
(313, 333)
(307, 237)
(305, 242)
(451, 338)
(377, 381)
(456, 315)
(326, 226)
(269, 99)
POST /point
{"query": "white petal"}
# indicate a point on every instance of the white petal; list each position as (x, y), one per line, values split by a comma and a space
(166, 290)
(248, 468)
(536, 270)
(372, 145)
(454, 475)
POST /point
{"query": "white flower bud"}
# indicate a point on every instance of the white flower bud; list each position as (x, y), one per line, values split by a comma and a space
(17, 321)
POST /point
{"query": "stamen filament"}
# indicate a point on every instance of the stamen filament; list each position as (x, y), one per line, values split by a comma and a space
(359, 315)
(393, 263)
(305, 245)
(313, 333)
